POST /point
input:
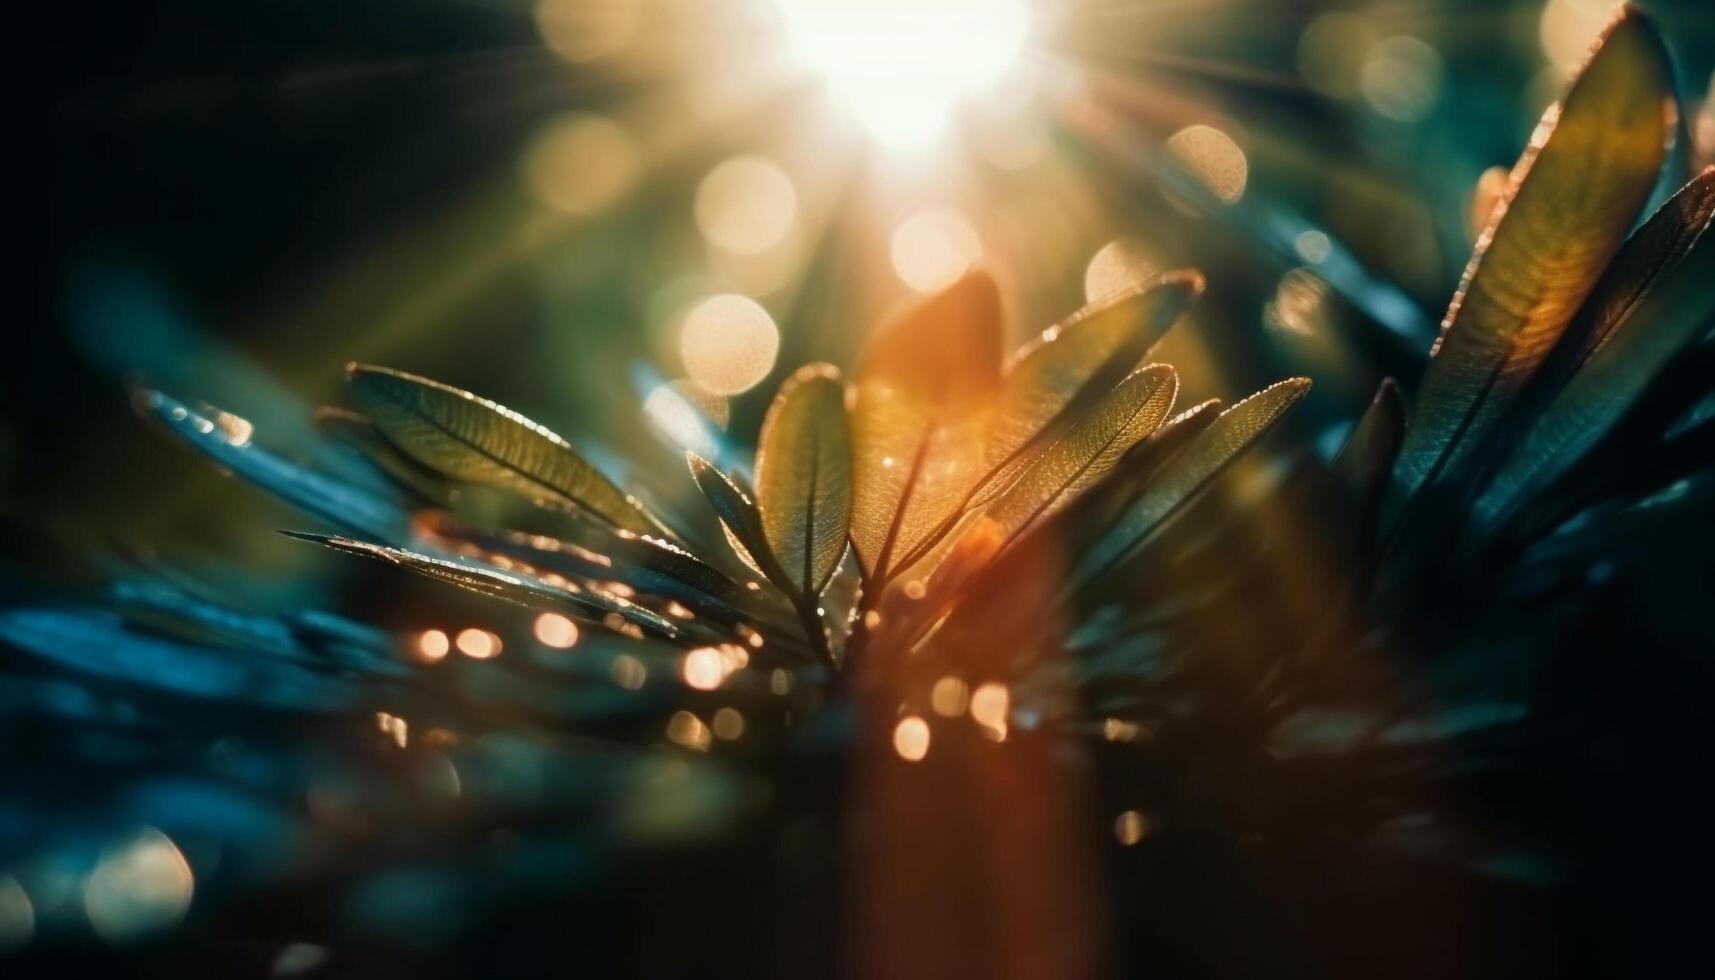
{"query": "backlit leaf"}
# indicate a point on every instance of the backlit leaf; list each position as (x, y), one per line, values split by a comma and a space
(1571, 198)
(469, 438)
(804, 478)
(1053, 379)
(917, 420)
(1229, 435)
(1658, 296)
(1089, 449)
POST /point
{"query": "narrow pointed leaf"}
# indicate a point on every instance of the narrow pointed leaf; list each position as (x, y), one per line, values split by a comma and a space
(1053, 379)
(804, 478)
(469, 438)
(1101, 506)
(1660, 299)
(650, 566)
(1570, 200)
(739, 518)
(1091, 447)
(1366, 460)
(1229, 435)
(919, 409)
(226, 440)
(526, 590)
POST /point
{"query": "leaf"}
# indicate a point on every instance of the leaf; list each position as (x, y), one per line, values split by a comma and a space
(526, 590)
(1229, 435)
(1571, 198)
(1074, 463)
(401, 471)
(1052, 380)
(919, 409)
(1103, 503)
(650, 566)
(1366, 460)
(739, 518)
(1656, 300)
(226, 439)
(469, 438)
(804, 478)
(1091, 447)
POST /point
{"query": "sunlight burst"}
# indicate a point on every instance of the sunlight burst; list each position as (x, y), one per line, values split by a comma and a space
(902, 66)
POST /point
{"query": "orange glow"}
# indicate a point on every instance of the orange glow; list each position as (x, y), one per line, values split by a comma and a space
(704, 668)
(911, 738)
(555, 630)
(989, 706)
(478, 644)
(432, 645)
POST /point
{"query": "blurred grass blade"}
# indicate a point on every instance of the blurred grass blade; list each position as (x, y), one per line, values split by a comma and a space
(592, 606)
(1055, 378)
(469, 438)
(1659, 297)
(226, 439)
(1090, 448)
(1571, 199)
(804, 478)
(1229, 435)
(738, 515)
(1365, 461)
(95, 643)
(917, 421)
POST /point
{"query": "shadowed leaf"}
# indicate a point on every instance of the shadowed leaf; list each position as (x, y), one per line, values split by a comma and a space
(469, 438)
(739, 518)
(917, 420)
(591, 606)
(1570, 200)
(804, 478)
(1366, 459)
(97, 643)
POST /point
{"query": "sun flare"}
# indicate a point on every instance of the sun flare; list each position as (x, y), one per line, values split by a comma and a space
(902, 66)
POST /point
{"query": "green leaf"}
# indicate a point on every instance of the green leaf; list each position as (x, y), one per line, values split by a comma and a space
(469, 438)
(1100, 507)
(526, 590)
(1188, 471)
(1090, 448)
(226, 439)
(1656, 300)
(1055, 378)
(738, 515)
(804, 479)
(919, 409)
(1571, 198)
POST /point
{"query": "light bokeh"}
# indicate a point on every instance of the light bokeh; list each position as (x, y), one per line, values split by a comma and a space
(728, 343)
(934, 248)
